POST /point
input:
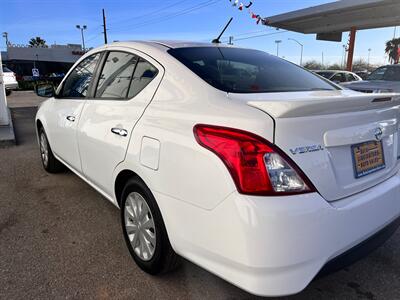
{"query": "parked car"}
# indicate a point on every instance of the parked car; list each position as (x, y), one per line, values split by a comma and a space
(339, 76)
(257, 170)
(383, 80)
(10, 81)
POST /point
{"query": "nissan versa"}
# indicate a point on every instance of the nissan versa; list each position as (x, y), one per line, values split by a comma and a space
(245, 164)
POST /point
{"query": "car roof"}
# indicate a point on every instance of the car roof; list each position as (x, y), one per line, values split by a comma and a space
(172, 44)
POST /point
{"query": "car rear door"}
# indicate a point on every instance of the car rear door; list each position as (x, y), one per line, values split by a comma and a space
(125, 85)
(66, 111)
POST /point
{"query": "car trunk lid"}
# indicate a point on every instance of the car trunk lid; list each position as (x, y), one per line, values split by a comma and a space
(325, 133)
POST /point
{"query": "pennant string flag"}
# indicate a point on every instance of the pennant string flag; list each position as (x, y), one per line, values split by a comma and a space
(248, 5)
(241, 5)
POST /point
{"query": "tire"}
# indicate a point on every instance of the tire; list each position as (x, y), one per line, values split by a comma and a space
(8, 92)
(163, 259)
(49, 162)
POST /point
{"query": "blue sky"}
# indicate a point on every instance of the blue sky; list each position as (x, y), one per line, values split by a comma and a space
(201, 20)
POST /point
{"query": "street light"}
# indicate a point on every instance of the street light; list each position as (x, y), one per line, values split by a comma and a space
(344, 56)
(5, 35)
(369, 56)
(82, 28)
(302, 48)
(277, 47)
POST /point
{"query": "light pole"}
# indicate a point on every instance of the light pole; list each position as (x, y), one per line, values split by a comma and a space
(82, 28)
(323, 60)
(277, 42)
(36, 61)
(5, 35)
(302, 48)
(369, 56)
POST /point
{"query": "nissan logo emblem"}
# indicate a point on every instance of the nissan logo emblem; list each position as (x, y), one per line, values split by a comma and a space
(378, 134)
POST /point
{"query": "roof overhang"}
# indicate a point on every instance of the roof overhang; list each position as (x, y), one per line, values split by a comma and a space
(340, 16)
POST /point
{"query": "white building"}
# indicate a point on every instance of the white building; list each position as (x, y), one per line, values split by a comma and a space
(54, 59)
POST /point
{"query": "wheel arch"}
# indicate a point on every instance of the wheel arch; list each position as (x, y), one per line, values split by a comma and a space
(120, 181)
(39, 125)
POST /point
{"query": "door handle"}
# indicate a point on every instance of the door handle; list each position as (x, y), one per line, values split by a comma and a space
(119, 131)
(71, 118)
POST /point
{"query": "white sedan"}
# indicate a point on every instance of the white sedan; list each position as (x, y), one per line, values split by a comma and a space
(245, 164)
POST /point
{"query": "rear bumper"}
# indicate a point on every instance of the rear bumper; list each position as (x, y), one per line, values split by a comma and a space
(361, 250)
(274, 246)
(11, 85)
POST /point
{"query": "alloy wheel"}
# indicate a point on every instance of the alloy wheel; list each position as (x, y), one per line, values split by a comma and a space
(44, 149)
(139, 226)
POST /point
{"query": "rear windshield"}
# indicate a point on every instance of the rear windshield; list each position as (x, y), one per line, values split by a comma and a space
(385, 73)
(238, 70)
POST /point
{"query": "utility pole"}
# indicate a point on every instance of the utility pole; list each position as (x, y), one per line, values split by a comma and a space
(322, 60)
(230, 40)
(82, 28)
(104, 27)
(394, 34)
(302, 48)
(277, 42)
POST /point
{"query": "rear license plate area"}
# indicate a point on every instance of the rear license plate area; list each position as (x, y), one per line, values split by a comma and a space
(368, 158)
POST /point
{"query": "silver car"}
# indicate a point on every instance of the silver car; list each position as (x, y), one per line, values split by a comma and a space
(383, 80)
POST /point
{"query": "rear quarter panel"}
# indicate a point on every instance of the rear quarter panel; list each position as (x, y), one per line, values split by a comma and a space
(187, 171)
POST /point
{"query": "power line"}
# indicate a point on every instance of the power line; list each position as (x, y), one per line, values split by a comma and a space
(250, 32)
(260, 35)
(239, 34)
(93, 37)
(174, 15)
(151, 13)
(167, 17)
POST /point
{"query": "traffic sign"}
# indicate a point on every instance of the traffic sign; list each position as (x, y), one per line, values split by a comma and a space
(35, 72)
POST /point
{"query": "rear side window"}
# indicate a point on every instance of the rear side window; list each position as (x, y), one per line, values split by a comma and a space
(238, 70)
(77, 83)
(143, 75)
(339, 77)
(116, 75)
(351, 77)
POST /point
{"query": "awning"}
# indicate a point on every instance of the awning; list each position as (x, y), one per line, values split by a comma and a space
(340, 16)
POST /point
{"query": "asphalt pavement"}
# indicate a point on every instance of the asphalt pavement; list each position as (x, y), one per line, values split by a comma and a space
(60, 239)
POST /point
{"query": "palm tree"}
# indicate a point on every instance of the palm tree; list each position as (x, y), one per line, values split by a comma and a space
(37, 42)
(392, 49)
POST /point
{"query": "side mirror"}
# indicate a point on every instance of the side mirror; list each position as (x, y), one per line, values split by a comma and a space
(46, 90)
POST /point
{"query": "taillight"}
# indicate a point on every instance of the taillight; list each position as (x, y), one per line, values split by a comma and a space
(256, 166)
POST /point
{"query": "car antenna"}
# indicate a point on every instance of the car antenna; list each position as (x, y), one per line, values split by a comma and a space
(217, 40)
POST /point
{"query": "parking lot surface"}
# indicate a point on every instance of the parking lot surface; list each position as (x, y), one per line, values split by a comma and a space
(61, 239)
